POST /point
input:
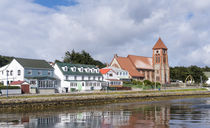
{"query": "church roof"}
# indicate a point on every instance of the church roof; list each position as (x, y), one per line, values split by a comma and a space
(160, 45)
(141, 62)
(126, 64)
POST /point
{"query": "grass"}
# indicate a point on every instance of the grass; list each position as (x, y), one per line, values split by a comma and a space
(103, 93)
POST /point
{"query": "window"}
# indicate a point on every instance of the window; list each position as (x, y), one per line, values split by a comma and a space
(2, 72)
(19, 72)
(49, 73)
(81, 69)
(87, 69)
(88, 77)
(82, 77)
(158, 78)
(65, 68)
(94, 78)
(29, 72)
(66, 77)
(164, 59)
(110, 75)
(11, 73)
(97, 70)
(93, 70)
(73, 69)
(99, 78)
(39, 73)
(33, 82)
(75, 77)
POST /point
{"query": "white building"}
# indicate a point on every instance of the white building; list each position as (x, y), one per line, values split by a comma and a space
(78, 77)
(121, 74)
(208, 76)
(38, 73)
(111, 77)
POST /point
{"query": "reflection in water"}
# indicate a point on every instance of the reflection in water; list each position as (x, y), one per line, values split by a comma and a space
(174, 113)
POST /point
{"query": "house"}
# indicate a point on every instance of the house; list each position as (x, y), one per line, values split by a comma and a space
(78, 77)
(155, 68)
(208, 76)
(111, 77)
(38, 73)
(121, 74)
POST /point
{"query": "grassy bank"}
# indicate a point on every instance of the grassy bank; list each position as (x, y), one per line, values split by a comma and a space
(44, 102)
(101, 93)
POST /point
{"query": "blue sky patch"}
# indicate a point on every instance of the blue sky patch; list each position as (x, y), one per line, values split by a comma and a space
(55, 3)
(190, 15)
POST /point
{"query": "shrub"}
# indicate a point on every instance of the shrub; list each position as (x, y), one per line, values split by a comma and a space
(147, 82)
(9, 87)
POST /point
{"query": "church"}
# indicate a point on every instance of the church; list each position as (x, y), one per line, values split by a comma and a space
(155, 68)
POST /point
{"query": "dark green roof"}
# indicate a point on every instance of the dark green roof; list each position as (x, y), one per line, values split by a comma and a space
(70, 72)
(33, 63)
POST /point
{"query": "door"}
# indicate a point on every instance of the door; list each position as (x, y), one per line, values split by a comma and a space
(25, 88)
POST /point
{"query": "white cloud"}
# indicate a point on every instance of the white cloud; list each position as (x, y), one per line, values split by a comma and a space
(104, 28)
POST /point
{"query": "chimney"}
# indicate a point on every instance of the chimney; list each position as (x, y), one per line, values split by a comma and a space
(115, 56)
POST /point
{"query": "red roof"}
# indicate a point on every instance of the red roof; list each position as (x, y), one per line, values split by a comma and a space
(104, 71)
(141, 62)
(17, 83)
(160, 45)
(126, 64)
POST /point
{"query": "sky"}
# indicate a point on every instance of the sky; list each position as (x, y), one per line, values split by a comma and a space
(46, 29)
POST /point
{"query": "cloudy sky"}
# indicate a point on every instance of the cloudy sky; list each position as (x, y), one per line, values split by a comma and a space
(45, 29)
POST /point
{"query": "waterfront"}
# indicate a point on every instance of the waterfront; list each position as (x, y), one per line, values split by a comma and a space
(186, 113)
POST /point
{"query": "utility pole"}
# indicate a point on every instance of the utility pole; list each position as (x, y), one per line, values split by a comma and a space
(7, 82)
(201, 80)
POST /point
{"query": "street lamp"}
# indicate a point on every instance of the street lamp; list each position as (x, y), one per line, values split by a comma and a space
(7, 82)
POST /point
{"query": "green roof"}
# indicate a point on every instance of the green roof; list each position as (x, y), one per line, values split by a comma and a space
(77, 72)
(33, 63)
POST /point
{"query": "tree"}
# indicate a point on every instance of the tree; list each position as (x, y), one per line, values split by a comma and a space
(81, 58)
(4, 60)
(181, 73)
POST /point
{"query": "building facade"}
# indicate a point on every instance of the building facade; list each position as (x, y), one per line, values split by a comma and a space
(38, 73)
(111, 77)
(155, 68)
(78, 77)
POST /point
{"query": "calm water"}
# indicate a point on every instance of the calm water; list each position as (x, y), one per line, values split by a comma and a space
(180, 113)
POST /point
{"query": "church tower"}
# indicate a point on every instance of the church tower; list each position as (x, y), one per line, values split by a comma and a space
(160, 62)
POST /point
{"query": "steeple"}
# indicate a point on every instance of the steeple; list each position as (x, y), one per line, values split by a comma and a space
(159, 45)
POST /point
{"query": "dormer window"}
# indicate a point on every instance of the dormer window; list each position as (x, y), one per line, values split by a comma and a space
(65, 68)
(87, 69)
(73, 69)
(97, 70)
(93, 70)
(81, 69)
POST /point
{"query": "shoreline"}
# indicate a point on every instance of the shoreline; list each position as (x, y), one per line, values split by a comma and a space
(57, 102)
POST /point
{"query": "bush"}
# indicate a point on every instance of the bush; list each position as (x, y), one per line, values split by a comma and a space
(147, 83)
(9, 87)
